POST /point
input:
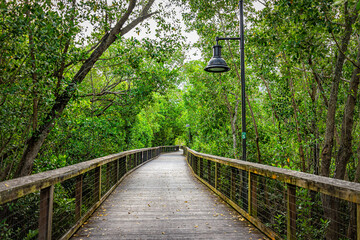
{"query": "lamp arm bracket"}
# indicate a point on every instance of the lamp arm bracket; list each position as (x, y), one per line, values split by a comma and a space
(217, 39)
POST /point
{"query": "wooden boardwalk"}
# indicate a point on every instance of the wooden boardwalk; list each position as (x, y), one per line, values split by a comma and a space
(162, 200)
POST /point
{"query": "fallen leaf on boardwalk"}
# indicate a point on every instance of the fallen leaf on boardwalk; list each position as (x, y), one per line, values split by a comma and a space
(128, 212)
(185, 201)
(163, 233)
(149, 205)
(178, 210)
(196, 226)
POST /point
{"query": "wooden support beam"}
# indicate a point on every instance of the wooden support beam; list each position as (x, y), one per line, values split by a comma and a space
(199, 166)
(233, 183)
(358, 221)
(217, 175)
(291, 212)
(46, 212)
(209, 171)
(97, 184)
(252, 199)
(117, 170)
(78, 196)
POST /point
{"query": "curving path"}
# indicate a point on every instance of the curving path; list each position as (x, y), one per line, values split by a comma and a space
(162, 200)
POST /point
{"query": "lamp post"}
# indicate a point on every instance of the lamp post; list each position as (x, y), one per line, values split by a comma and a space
(188, 126)
(218, 65)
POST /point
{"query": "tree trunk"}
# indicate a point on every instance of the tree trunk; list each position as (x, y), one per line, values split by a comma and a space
(330, 118)
(345, 150)
(256, 131)
(330, 204)
(296, 110)
(37, 139)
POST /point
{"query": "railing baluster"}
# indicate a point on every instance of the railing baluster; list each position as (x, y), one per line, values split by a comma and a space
(209, 171)
(358, 221)
(252, 194)
(78, 196)
(291, 211)
(216, 174)
(233, 183)
(97, 184)
(199, 161)
(46, 212)
(117, 169)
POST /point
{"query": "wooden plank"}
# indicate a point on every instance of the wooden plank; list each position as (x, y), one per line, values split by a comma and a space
(46, 212)
(83, 219)
(169, 206)
(291, 212)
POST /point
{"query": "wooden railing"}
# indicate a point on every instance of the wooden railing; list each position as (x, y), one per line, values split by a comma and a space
(87, 185)
(280, 202)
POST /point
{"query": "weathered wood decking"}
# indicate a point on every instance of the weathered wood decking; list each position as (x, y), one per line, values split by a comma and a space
(162, 200)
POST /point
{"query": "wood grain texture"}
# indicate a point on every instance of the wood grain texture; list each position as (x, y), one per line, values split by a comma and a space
(162, 200)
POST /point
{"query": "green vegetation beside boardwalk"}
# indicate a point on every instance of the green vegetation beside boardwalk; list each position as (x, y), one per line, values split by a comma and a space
(68, 95)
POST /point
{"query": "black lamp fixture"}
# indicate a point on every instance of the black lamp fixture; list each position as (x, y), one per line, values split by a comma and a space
(217, 64)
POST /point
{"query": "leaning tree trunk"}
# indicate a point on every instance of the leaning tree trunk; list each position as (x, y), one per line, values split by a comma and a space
(37, 139)
(329, 203)
(345, 150)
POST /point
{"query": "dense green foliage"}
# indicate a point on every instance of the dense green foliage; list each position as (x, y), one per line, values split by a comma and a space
(302, 77)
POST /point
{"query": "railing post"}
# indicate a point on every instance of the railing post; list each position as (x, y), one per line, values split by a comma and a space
(216, 174)
(291, 212)
(117, 169)
(358, 221)
(127, 163)
(232, 183)
(97, 184)
(199, 166)
(209, 171)
(46, 212)
(108, 175)
(78, 196)
(252, 199)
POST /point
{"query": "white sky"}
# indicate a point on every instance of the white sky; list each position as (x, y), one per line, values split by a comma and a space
(192, 37)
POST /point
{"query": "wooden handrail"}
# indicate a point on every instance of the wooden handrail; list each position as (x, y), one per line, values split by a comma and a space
(345, 190)
(44, 182)
(19, 187)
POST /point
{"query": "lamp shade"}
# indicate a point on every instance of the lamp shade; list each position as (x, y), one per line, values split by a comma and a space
(217, 64)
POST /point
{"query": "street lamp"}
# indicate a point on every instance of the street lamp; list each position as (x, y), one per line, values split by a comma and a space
(218, 65)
